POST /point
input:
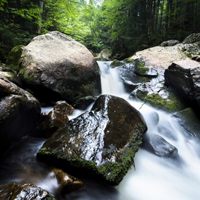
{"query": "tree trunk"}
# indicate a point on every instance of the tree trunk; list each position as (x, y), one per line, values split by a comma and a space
(41, 4)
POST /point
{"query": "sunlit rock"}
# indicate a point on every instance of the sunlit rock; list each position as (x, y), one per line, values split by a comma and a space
(25, 191)
(100, 143)
(54, 67)
(104, 55)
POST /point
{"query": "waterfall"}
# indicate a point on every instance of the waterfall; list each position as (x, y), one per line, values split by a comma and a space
(153, 178)
(156, 178)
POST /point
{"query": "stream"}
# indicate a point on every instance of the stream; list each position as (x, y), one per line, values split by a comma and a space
(152, 178)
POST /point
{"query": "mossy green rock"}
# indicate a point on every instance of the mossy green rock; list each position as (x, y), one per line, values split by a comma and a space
(25, 191)
(158, 96)
(116, 63)
(13, 59)
(101, 143)
(143, 70)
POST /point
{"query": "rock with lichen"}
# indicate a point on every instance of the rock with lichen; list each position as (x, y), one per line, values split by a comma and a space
(101, 143)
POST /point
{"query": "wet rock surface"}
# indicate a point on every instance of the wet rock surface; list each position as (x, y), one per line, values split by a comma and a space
(66, 182)
(54, 67)
(101, 143)
(55, 119)
(158, 145)
(19, 113)
(158, 95)
(189, 121)
(184, 77)
(25, 191)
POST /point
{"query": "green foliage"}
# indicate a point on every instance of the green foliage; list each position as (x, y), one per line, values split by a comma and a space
(125, 26)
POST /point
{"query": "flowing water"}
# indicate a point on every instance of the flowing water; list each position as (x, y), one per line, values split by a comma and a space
(153, 178)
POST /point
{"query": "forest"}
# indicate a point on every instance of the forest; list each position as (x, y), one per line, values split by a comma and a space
(123, 26)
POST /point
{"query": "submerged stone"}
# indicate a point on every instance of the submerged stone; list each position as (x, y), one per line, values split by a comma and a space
(189, 120)
(158, 145)
(102, 142)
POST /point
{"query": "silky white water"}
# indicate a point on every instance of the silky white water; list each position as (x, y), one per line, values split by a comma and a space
(156, 178)
(153, 178)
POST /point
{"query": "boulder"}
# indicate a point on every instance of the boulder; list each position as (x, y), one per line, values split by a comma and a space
(184, 77)
(66, 182)
(54, 67)
(191, 50)
(192, 38)
(84, 102)
(101, 143)
(157, 145)
(104, 55)
(19, 113)
(55, 119)
(169, 43)
(25, 191)
(130, 79)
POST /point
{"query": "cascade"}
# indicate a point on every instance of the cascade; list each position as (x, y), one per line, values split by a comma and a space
(152, 178)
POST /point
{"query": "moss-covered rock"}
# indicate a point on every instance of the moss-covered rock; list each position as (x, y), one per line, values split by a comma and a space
(100, 143)
(143, 70)
(158, 96)
(13, 59)
(116, 63)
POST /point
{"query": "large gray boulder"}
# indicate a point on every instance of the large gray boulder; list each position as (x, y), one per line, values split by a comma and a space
(184, 77)
(55, 67)
(19, 113)
(101, 143)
